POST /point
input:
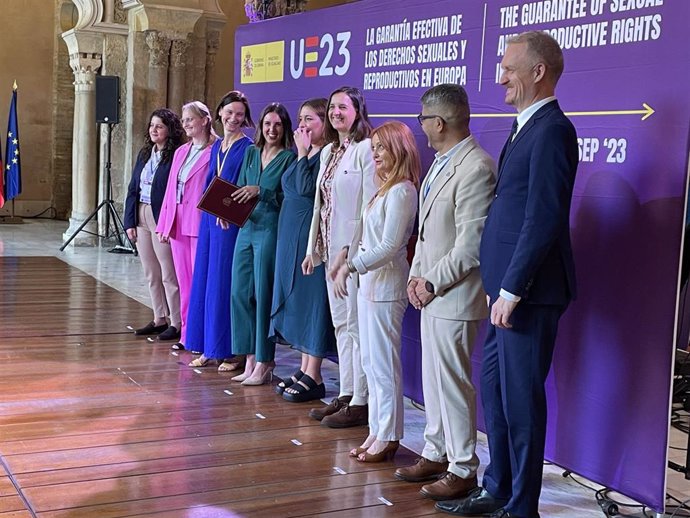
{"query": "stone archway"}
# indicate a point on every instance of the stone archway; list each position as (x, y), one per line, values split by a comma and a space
(163, 51)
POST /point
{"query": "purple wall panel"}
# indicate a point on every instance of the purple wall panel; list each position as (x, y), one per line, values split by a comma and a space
(609, 386)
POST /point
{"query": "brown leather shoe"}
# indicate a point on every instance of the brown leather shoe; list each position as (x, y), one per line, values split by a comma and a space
(449, 487)
(423, 469)
(349, 415)
(335, 405)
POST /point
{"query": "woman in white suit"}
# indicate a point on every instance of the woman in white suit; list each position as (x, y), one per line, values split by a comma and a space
(345, 184)
(380, 260)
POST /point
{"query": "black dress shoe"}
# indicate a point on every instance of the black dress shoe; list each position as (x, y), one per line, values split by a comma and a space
(478, 503)
(171, 333)
(150, 329)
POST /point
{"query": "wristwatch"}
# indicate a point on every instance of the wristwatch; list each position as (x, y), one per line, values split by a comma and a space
(429, 287)
(351, 266)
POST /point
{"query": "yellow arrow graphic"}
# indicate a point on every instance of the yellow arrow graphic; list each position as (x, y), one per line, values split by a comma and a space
(646, 112)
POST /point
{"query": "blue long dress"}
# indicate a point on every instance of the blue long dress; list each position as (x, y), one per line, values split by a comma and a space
(208, 322)
(300, 314)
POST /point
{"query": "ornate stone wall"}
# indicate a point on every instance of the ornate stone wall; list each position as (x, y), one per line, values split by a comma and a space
(115, 64)
(63, 107)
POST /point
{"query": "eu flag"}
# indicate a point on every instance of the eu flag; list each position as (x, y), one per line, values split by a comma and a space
(13, 176)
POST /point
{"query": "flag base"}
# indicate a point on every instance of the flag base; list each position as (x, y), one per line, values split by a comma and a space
(11, 220)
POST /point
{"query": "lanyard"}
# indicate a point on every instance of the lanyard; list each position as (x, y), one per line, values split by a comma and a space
(220, 165)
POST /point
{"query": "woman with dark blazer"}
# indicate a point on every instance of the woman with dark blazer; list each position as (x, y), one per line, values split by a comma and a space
(142, 208)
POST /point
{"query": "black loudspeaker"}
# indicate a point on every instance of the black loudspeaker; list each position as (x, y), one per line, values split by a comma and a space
(107, 99)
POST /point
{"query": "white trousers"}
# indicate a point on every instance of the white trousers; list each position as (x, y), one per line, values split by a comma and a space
(159, 269)
(380, 334)
(353, 382)
(449, 395)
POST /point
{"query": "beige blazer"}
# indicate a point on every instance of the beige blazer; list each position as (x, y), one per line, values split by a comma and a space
(353, 187)
(451, 220)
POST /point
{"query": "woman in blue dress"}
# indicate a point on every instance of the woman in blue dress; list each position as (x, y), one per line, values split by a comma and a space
(209, 329)
(300, 314)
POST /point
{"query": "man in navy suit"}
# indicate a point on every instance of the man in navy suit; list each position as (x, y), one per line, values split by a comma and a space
(527, 269)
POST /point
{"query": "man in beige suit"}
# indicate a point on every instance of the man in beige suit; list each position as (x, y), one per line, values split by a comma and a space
(445, 284)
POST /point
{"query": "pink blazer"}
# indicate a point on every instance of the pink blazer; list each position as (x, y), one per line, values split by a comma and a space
(193, 189)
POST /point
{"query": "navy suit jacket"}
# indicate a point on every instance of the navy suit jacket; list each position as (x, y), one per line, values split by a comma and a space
(525, 247)
(160, 181)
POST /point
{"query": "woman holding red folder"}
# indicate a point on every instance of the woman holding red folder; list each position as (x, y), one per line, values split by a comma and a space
(209, 328)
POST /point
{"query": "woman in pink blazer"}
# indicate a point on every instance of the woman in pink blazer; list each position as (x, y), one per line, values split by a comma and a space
(179, 219)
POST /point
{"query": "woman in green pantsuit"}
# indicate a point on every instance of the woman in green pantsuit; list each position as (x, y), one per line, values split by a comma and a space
(253, 264)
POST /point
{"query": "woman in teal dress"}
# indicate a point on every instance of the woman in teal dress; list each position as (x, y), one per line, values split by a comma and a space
(254, 261)
(300, 314)
(208, 321)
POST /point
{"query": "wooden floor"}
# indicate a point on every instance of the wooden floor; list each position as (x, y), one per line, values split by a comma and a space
(97, 423)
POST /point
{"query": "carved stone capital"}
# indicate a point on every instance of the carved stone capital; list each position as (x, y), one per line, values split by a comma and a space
(85, 65)
(120, 13)
(159, 49)
(178, 53)
(212, 42)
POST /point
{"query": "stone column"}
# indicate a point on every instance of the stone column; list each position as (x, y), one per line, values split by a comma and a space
(159, 57)
(84, 146)
(108, 11)
(212, 44)
(176, 75)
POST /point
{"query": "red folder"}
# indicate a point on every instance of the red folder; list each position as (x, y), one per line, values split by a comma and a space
(217, 201)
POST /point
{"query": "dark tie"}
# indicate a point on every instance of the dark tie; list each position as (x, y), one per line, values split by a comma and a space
(513, 131)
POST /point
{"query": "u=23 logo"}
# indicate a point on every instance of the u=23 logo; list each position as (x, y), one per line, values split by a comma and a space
(305, 62)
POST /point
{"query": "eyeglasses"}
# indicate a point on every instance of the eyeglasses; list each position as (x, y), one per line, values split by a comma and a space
(421, 118)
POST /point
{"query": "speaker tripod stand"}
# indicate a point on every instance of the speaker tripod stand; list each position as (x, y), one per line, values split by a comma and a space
(110, 212)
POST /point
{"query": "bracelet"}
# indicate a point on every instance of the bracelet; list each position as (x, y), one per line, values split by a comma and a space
(351, 266)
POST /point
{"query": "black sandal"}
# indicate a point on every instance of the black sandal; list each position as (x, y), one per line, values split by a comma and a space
(280, 387)
(305, 390)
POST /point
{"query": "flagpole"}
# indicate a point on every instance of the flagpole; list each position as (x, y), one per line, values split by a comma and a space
(12, 219)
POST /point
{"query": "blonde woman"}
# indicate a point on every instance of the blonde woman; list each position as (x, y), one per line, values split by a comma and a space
(179, 219)
(380, 259)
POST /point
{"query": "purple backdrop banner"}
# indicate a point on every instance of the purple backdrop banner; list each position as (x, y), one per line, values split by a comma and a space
(625, 88)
